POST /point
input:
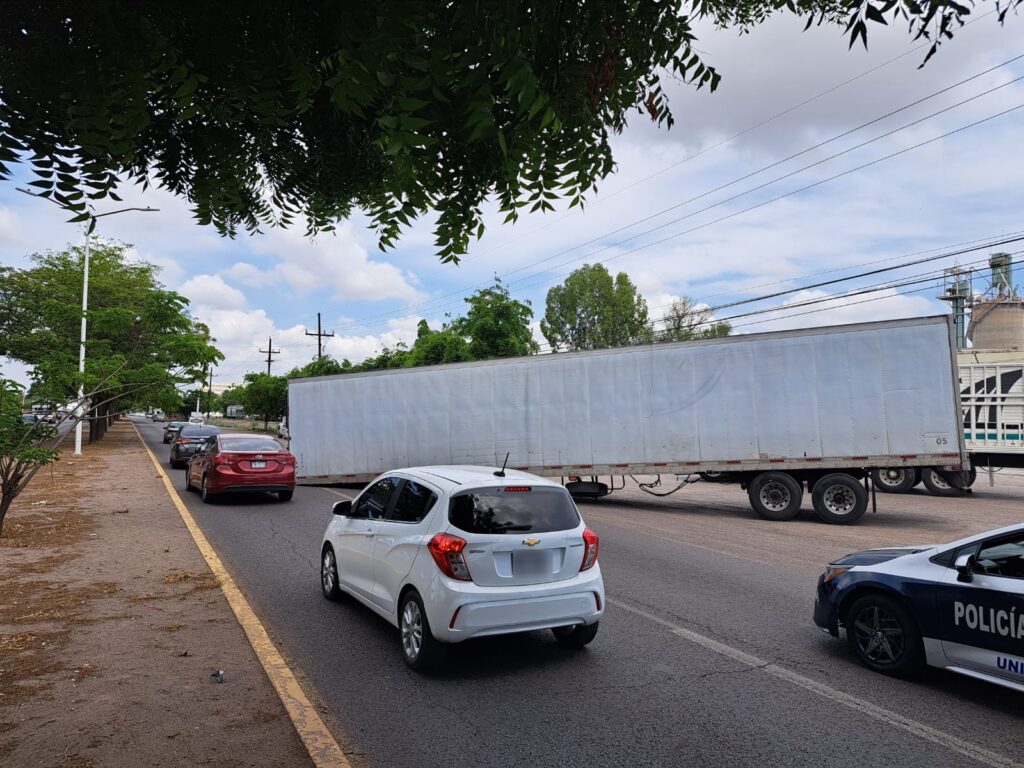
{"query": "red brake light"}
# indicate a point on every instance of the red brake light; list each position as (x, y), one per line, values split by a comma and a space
(286, 458)
(447, 553)
(180, 441)
(590, 547)
(225, 458)
(517, 488)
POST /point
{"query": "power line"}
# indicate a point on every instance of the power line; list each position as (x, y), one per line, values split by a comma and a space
(723, 142)
(929, 276)
(423, 305)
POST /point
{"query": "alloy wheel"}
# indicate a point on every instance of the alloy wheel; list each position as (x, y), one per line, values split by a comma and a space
(879, 635)
(839, 500)
(327, 571)
(412, 629)
(775, 496)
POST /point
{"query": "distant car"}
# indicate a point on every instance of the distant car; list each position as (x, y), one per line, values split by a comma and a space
(171, 430)
(234, 462)
(30, 418)
(188, 440)
(196, 420)
(455, 552)
(157, 415)
(958, 606)
(282, 428)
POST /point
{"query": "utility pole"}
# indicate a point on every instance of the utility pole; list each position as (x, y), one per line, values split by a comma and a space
(270, 352)
(320, 336)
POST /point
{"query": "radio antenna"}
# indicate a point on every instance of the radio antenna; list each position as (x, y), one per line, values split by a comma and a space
(501, 472)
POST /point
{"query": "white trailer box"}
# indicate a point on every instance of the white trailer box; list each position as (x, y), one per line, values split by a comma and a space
(992, 396)
(844, 397)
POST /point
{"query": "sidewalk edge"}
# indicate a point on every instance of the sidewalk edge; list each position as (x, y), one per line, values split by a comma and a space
(316, 737)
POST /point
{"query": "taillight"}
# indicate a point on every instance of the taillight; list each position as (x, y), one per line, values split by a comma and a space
(590, 546)
(447, 553)
(181, 442)
(286, 458)
(225, 458)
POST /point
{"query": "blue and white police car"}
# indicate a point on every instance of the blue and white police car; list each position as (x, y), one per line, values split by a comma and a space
(959, 606)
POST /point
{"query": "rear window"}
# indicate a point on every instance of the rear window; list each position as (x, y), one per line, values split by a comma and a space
(251, 444)
(525, 510)
(187, 431)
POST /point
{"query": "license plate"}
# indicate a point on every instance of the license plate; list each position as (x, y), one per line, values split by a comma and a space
(258, 464)
(531, 563)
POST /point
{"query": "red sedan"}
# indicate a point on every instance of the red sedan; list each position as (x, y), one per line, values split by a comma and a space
(233, 462)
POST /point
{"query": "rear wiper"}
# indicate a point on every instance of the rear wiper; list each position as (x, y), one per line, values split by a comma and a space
(505, 528)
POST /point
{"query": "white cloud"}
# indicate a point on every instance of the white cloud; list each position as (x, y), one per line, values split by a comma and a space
(211, 292)
(332, 260)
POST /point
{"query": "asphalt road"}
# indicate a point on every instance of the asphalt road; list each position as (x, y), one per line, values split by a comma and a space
(707, 654)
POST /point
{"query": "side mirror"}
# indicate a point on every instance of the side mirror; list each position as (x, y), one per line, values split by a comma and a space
(343, 508)
(965, 568)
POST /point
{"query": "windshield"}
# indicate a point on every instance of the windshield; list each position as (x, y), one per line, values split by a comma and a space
(520, 510)
(194, 431)
(250, 444)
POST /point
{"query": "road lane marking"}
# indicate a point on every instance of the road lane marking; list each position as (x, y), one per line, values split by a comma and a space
(317, 738)
(639, 528)
(948, 741)
(338, 493)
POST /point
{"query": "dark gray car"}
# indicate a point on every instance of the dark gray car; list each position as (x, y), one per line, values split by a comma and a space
(188, 440)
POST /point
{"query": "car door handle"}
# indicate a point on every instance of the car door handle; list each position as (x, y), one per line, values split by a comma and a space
(368, 533)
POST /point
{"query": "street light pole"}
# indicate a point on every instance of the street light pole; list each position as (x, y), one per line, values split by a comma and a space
(81, 349)
(85, 306)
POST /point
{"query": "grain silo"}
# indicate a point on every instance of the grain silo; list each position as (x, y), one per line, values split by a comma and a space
(997, 321)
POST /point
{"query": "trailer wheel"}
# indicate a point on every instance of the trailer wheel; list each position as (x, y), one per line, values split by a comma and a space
(775, 496)
(894, 479)
(940, 483)
(839, 499)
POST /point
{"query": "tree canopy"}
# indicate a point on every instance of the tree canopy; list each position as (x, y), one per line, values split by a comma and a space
(261, 113)
(141, 341)
(25, 447)
(590, 310)
(686, 321)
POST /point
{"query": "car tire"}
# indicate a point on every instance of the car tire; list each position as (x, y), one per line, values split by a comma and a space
(576, 636)
(939, 483)
(419, 647)
(188, 481)
(329, 584)
(775, 496)
(894, 479)
(877, 617)
(285, 495)
(839, 499)
(208, 498)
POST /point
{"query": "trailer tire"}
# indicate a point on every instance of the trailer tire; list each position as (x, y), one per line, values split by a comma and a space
(894, 479)
(940, 483)
(775, 496)
(839, 499)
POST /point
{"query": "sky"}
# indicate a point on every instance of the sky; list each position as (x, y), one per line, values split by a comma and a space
(737, 200)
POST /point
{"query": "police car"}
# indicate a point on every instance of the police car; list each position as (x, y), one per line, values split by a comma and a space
(958, 606)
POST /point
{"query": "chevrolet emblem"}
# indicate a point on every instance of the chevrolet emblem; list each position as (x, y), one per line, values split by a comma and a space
(531, 542)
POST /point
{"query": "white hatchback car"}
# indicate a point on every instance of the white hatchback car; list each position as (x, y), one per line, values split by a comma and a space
(454, 552)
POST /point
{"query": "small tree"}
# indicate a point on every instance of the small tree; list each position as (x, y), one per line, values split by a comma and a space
(24, 447)
(265, 395)
(685, 321)
(497, 325)
(436, 347)
(323, 366)
(590, 310)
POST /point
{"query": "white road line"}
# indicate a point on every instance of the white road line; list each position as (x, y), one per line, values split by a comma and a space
(337, 493)
(948, 741)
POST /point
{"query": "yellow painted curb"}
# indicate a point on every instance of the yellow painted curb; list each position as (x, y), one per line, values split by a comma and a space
(319, 741)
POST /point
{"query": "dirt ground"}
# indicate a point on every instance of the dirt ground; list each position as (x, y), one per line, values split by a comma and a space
(111, 625)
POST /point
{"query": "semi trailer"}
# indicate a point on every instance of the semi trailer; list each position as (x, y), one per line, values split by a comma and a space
(776, 413)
